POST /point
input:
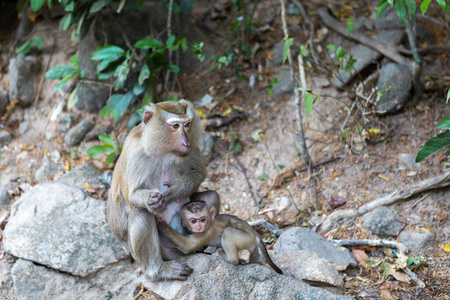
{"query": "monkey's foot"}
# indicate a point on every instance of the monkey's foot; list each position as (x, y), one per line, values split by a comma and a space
(174, 270)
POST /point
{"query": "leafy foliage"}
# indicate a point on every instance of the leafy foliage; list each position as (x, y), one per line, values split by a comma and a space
(108, 147)
(28, 46)
(439, 142)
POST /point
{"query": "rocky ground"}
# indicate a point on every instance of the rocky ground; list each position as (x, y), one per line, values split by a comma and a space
(55, 242)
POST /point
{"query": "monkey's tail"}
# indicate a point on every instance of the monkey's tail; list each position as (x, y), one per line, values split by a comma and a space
(267, 257)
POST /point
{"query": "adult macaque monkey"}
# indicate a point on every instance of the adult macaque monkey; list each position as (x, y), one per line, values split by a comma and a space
(160, 167)
(226, 231)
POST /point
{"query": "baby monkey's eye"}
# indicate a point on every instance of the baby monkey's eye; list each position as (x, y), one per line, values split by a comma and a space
(193, 221)
(203, 220)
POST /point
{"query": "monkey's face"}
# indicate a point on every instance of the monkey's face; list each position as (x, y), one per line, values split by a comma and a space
(196, 222)
(179, 129)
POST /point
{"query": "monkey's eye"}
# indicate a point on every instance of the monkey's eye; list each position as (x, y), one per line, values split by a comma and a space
(175, 126)
(187, 124)
(193, 221)
(203, 220)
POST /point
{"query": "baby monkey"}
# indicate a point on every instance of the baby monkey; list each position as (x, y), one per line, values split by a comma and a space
(206, 228)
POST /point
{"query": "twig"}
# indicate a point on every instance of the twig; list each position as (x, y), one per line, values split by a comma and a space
(311, 29)
(301, 136)
(348, 116)
(339, 216)
(433, 48)
(414, 277)
(267, 225)
(385, 49)
(43, 77)
(239, 166)
(169, 33)
(377, 243)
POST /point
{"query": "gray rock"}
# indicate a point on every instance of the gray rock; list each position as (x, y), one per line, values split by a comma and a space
(5, 198)
(5, 138)
(91, 97)
(47, 170)
(6, 282)
(383, 221)
(408, 160)
(389, 20)
(59, 226)
(417, 242)
(65, 121)
(293, 9)
(22, 79)
(98, 128)
(4, 101)
(399, 79)
(86, 173)
(365, 56)
(77, 133)
(278, 55)
(298, 238)
(213, 278)
(207, 146)
(37, 282)
(309, 267)
(284, 84)
(23, 128)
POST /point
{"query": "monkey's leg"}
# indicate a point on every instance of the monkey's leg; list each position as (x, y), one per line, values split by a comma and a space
(145, 247)
(229, 245)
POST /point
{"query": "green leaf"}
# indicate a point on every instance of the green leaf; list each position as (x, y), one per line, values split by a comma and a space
(121, 73)
(308, 105)
(98, 5)
(262, 177)
(435, 144)
(448, 95)
(309, 91)
(24, 49)
(64, 80)
(106, 139)
(70, 6)
(170, 40)
(36, 4)
(280, 166)
(445, 123)
(74, 61)
(73, 98)
(148, 43)
(316, 98)
(441, 3)
(350, 65)
(138, 89)
(110, 158)
(59, 72)
(401, 9)
(340, 52)
(96, 151)
(184, 44)
(143, 75)
(287, 44)
(109, 52)
(380, 9)
(424, 6)
(350, 26)
(173, 68)
(331, 47)
(411, 5)
(65, 22)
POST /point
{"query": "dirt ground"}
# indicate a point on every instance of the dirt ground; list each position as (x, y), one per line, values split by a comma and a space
(369, 169)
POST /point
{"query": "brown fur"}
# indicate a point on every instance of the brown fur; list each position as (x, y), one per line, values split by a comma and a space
(226, 231)
(150, 179)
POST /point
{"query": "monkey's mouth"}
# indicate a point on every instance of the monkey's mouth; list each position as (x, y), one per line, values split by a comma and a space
(181, 154)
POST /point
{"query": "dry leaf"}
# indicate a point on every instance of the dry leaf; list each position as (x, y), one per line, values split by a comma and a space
(400, 276)
(383, 176)
(361, 257)
(447, 247)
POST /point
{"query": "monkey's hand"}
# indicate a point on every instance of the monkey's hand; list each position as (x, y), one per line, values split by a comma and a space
(156, 202)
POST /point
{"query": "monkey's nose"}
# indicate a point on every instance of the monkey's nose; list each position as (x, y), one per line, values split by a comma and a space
(186, 144)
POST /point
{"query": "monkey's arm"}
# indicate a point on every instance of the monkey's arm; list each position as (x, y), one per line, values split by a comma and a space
(188, 183)
(150, 200)
(184, 244)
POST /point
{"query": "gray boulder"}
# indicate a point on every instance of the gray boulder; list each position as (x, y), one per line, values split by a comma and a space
(5, 138)
(22, 79)
(78, 177)
(417, 242)
(398, 80)
(383, 221)
(59, 226)
(298, 238)
(284, 84)
(213, 278)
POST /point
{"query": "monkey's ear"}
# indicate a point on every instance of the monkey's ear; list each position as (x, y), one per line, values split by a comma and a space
(147, 116)
(212, 212)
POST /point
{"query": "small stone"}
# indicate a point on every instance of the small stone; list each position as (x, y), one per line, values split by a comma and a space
(22, 79)
(383, 222)
(284, 84)
(99, 128)
(24, 127)
(417, 241)
(207, 146)
(75, 135)
(47, 170)
(5, 198)
(65, 121)
(5, 138)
